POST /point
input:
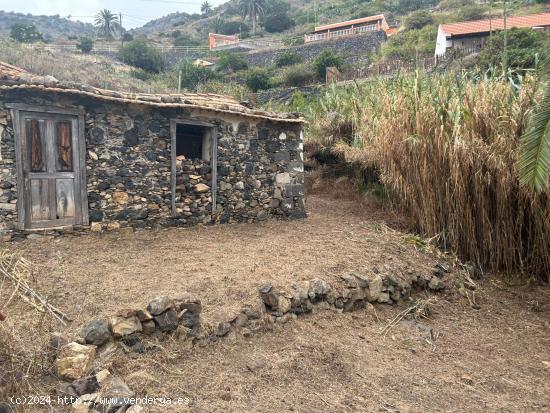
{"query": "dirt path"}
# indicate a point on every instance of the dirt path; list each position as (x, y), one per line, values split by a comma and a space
(496, 358)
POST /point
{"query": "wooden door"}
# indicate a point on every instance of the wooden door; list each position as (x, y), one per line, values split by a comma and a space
(51, 169)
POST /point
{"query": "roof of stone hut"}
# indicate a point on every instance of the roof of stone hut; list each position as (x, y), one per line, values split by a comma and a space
(12, 78)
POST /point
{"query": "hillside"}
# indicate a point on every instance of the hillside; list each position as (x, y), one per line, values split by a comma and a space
(52, 27)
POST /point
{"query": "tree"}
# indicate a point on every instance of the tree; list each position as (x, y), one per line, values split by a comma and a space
(138, 53)
(206, 8)
(106, 24)
(25, 33)
(253, 9)
(276, 16)
(85, 45)
(534, 161)
(327, 59)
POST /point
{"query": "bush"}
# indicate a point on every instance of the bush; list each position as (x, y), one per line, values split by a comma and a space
(327, 59)
(85, 45)
(298, 75)
(185, 40)
(257, 79)
(138, 53)
(192, 76)
(418, 20)
(127, 37)
(25, 33)
(473, 12)
(406, 44)
(288, 58)
(141, 74)
(523, 47)
(232, 62)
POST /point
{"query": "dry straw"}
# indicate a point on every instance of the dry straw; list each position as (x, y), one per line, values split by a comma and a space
(446, 147)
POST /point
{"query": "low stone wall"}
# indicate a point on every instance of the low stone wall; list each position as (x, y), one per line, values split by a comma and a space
(354, 49)
(76, 361)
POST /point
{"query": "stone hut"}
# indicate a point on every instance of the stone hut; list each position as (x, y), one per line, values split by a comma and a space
(74, 157)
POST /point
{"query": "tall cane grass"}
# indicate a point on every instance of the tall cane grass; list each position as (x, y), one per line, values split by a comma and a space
(447, 149)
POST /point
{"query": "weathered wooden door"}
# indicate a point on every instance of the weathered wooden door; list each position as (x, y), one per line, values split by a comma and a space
(50, 150)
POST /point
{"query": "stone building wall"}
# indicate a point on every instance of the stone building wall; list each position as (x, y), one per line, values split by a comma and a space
(128, 167)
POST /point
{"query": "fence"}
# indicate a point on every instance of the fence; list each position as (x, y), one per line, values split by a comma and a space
(315, 37)
(111, 48)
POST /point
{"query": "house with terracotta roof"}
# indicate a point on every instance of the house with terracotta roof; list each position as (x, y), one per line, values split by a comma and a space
(75, 157)
(472, 36)
(350, 28)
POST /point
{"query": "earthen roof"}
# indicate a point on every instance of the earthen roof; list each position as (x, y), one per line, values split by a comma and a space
(484, 26)
(12, 78)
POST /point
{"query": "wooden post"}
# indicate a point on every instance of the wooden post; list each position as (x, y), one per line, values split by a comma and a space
(179, 82)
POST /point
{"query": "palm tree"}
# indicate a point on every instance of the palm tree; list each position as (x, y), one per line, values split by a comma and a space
(206, 8)
(253, 9)
(106, 23)
(534, 161)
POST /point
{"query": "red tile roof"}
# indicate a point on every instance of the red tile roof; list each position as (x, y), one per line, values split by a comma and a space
(484, 26)
(350, 22)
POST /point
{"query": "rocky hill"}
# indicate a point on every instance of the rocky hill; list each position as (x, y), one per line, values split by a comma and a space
(51, 27)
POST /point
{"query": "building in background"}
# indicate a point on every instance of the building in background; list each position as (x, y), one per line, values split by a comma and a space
(471, 37)
(350, 28)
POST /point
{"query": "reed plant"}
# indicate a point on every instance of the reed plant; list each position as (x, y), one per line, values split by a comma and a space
(447, 149)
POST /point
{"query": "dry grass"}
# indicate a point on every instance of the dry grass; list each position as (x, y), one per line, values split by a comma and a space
(447, 149)
(94, 70)
(327, 362)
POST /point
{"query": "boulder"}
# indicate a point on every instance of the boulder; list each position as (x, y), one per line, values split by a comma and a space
(318, 290)
(85, 385)
(284, 305)
(374, 288)
(116, 392)
(148, 327)
(167, 321)
(159, 305)
(123, 326)
(75, 361)
(190, 303)
(96, 332)
(436, 284)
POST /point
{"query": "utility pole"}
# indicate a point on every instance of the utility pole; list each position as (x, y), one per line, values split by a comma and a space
(121, 29)
(505, 53)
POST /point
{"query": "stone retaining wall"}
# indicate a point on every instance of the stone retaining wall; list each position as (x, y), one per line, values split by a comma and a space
(128, 167)
(354, 49)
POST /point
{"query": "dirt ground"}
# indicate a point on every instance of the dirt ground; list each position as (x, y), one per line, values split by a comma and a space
(496, 358)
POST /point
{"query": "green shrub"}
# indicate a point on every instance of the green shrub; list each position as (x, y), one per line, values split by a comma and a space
(418, 20)
(407, 44)
(258, 79)
(138, 53)
(85, 45)
(25, 33)
(185, 40)
(298, 75)
(472, 12)
(141, 74)
(288, 58)
(230, 61)
(192, 76)
(523, 47)
(325, 59)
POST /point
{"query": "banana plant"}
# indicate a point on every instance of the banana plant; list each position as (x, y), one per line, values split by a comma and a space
(534, 160)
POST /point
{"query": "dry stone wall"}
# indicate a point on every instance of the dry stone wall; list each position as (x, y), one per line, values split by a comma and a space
(180, 318)
(128, 167)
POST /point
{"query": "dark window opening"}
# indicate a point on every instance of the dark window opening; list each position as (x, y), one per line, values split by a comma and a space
(191, 142)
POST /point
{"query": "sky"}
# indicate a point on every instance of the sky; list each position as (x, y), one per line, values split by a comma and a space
(135, 12)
